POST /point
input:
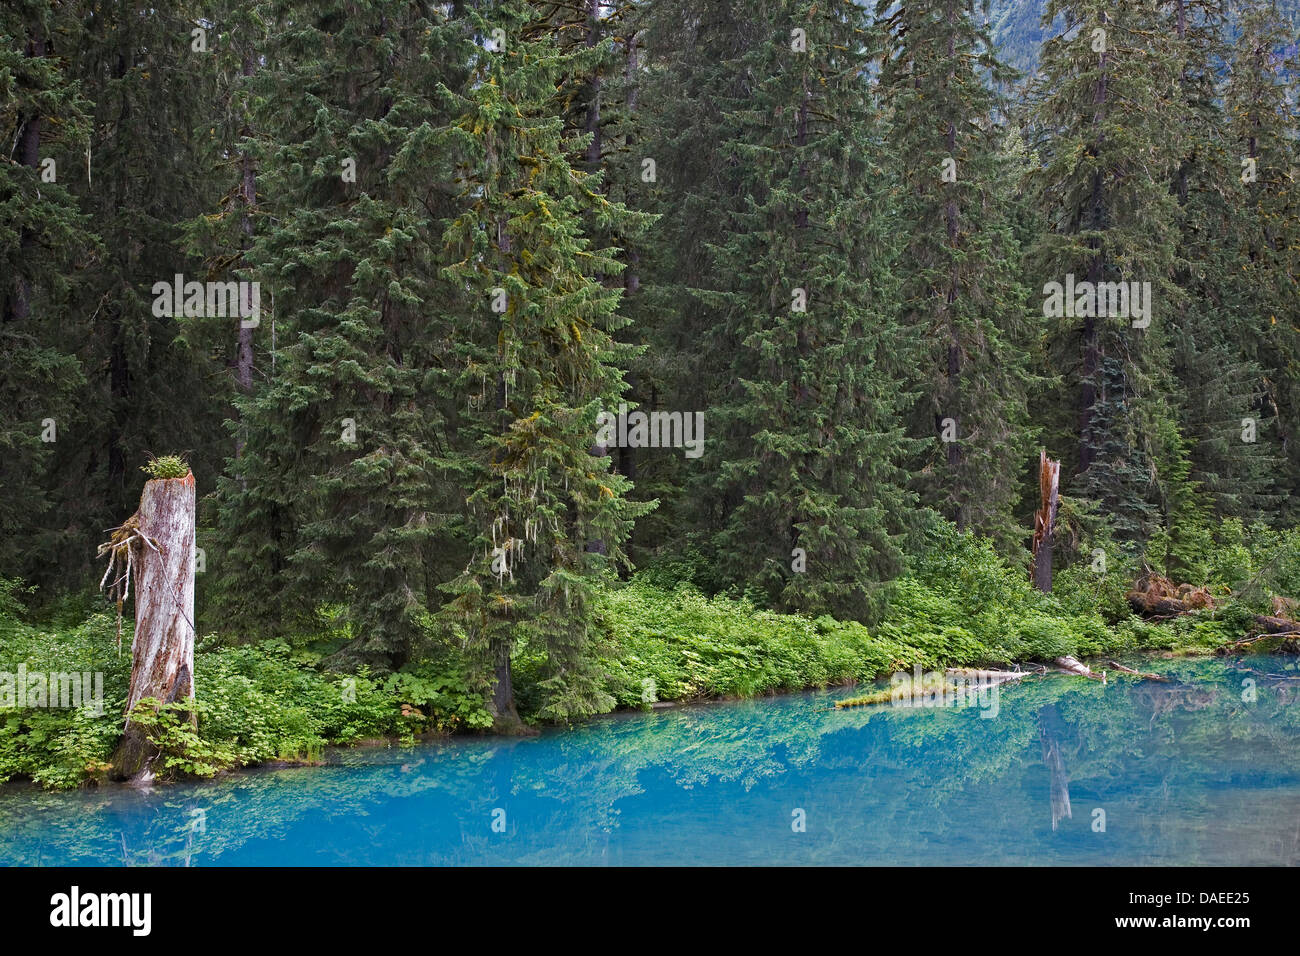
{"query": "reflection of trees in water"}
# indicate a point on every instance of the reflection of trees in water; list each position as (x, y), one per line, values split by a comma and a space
(867, 777)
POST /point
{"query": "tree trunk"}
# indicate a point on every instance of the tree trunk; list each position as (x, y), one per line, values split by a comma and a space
(162, 651)
(505, 718)
(248, 204)
(1049, 475)
(19, 307)
(1092, 350)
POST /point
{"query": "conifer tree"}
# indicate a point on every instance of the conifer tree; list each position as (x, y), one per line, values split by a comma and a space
(1232, 452)
(1263, 229)
(236, 33)
(136, 171)
(1110, 217)
(961, 300)
(538, 364)
(811, 496)
(688, 80)
(340, 494)
(43, 239)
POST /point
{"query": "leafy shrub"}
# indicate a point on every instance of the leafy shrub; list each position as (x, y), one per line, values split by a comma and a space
(61, 747)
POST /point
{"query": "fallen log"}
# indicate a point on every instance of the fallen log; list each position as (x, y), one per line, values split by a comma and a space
(988, 677)
(1267, 628)
(1155, 605)
(1145, 675)
(1275, 625)
(1071, 666)
(1287, 641)
(1154, 595)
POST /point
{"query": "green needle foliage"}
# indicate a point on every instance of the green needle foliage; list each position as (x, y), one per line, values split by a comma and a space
(823, 231)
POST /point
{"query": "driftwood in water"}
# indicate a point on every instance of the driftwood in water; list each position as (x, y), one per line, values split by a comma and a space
(1145, 675)
(1072, 666)
(986, 677)
(1049, 477)
(156, 546)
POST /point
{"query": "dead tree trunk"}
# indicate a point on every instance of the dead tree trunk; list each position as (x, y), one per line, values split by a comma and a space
(162, 651)
(1049, 477)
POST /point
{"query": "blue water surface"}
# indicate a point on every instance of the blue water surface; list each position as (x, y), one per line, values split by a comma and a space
(1203, 769)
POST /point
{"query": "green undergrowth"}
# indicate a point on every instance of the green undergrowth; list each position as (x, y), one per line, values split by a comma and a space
(254, 704)
(658, 639)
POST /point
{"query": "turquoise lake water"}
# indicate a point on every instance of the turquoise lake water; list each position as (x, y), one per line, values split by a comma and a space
(1204, 769)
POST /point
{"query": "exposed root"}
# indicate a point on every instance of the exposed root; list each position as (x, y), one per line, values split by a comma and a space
(121, 546)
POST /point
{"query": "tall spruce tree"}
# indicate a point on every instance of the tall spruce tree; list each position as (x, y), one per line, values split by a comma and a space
(1232, 454)
(341, 494)
(44, 242)
(538, 364)
(221, 236)
(1262, 230)
(687, 79)
(810, 494)
(139, 174)
(1110, 217)
(961, 298)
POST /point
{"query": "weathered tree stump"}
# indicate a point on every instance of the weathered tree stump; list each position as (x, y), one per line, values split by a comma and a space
(1049, 476)
(162, 651)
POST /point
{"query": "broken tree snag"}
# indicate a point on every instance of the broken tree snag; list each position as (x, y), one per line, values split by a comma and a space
(159, 546)
(1049, 477)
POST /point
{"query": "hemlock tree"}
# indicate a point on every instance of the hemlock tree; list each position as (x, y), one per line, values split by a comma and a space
(44, 240)
(341, 492)
(812, 498)
(1110, 217)
(688, 82)
(961, 300)
(1233, 455)
(597, 105)
(1264, 232)
(537, 365)
(221, 236)
(139, 173)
